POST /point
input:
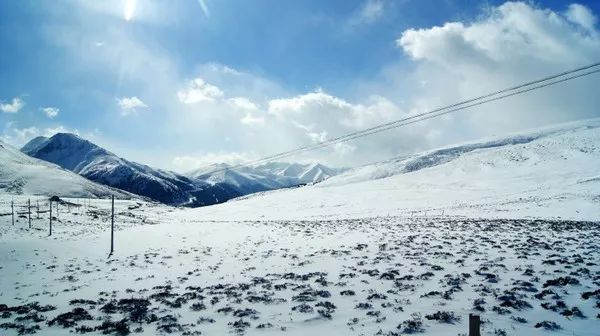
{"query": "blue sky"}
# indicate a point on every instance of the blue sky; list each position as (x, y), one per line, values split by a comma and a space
(272, 74)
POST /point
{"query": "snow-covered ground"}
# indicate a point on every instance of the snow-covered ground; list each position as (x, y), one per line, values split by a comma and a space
(408, 245)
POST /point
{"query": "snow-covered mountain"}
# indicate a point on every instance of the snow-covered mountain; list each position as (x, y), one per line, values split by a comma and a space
(198, 188)
(269, 176)
(97, 164)
(22, 174)
(303, 173)
(550, 172)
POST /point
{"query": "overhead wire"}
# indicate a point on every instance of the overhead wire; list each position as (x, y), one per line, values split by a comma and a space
(462, 105)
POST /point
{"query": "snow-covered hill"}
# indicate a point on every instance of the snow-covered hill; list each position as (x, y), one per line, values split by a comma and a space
(24, 175)
(97, 164)
(551, 172)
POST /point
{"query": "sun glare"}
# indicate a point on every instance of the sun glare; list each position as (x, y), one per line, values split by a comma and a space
(129, 9)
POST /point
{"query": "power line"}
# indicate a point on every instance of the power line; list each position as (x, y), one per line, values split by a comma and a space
(472, 102)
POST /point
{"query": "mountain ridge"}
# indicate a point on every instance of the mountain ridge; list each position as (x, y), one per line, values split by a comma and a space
(22, 174)
(197, 188)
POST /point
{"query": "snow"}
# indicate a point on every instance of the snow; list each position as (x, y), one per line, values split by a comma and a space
(198, 188)
(270, 176)
(99, 165)
(551, 173)
(21, 174)
(480, 228)
(394, 266)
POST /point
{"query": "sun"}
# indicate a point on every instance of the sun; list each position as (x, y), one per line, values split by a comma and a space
(129, 10)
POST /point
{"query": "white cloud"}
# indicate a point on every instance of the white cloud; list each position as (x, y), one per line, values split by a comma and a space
(320, 108)
(50, 131)
(197, 91)
(215, 101)
(582, 16)
(130, 105)
(19, 136)
(371, 10)
(13, 107)
(512, 33)
(251, 119)
(300, 104)
(510, 44)
(243, 103)
(23, 135)
(187, 163)
(51, 112)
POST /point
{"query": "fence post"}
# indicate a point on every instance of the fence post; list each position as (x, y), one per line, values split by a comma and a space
(29, 211)
(474, 325)
(50, 234)
(12, 209)
(112, 226)
(38, 209)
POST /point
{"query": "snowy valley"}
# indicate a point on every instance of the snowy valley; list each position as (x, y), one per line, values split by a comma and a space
(506, 228)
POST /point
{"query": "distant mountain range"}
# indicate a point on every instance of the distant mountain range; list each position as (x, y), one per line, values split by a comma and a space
(214, 184)
(269, 176)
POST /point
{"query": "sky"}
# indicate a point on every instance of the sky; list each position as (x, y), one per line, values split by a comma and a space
(181, 84)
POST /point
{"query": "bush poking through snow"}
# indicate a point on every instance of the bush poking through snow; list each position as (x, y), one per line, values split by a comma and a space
(413, 325)
(67, 320)
(443, 317)
(548, 325)
(561, 281)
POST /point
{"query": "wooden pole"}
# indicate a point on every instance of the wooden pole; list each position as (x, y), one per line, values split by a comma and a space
(474, 325)
(112, 226)
(12, 208)
(29, 211)
(50, 234)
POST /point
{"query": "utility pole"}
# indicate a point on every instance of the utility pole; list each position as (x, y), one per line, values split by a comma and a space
(12, 208)
(112, 226)
(50, 234)
(29, 211)
(474, 325)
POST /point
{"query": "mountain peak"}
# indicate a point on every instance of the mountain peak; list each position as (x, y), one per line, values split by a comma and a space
(68, 150)
(22, 174)
(33, 144)
(70, 138)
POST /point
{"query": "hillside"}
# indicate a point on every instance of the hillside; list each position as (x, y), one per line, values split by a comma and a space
(24, 175)
(550, 172)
